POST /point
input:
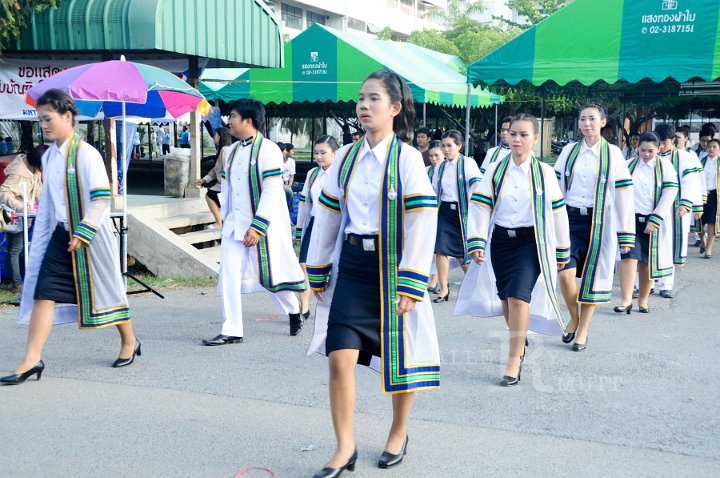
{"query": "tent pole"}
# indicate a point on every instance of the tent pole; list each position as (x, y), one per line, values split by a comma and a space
(542, 125)
(496, 125)
(425, 114)
(623, 128)
(467, 120)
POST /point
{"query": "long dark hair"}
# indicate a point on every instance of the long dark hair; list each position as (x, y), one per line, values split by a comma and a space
(399, 92)
(225, 137)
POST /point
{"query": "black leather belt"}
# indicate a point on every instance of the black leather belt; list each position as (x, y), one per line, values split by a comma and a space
(581, 211)
(517, 232)
(368, 243)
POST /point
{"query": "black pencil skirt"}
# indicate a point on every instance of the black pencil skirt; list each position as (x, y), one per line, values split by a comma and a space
(448, 240)
(354, 319)
(56, 280)
(515, 262)
(305, 244)
(710, 208)
(641, 250)
(580, 229)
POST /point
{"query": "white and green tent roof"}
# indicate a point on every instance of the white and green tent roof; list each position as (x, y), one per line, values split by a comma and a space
(611, 41)
(322, 64)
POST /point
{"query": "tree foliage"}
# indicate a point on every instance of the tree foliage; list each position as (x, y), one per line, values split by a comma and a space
(14, 15)
(433, 40)
(533, 10)
(385, 33)
(456, 11)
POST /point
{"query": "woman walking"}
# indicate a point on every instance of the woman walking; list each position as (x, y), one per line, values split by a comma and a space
(710, 211)
(598, 192)
(324, 152)
(368, 262)
(519, 214)
(655, 186)
(453, 182)
(213, 179)
(73, 271)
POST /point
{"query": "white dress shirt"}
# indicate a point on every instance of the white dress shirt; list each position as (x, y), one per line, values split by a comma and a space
(316, 189)
(363, 197)
(584, 178)
(54, 178)
(644, 186)
(711, 173)
(239, 215)
(514, 207)
(448, 185)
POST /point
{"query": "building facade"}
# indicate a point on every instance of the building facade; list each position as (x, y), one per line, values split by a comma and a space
(366, 17)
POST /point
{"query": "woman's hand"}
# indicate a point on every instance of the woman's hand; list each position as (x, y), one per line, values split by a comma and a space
(404, 305)
(75, 244)
(478, 257)
(682, 210)
(649, 229)
(199, 183)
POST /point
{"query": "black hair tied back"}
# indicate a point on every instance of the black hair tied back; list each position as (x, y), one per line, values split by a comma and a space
(399, 92)
(58, 101)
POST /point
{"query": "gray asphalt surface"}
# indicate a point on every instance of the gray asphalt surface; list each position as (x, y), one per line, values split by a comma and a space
(641, 401)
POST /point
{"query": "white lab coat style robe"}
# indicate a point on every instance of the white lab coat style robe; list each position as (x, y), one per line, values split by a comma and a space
(100, 292)
(306, 208)
(410, 358)
(251, 198)
(613, 217)
(688, 175)
(478, 294)
(493, 155)
(660, 254)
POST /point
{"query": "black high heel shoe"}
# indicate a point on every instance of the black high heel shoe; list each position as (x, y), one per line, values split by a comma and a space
(336, 472)
(623, 308)
(18, 378)
(643, 310)
(388, 460)
(579, 347)
(508, 381)
(124, 362)
(439, 299)
(306, 315)
(433, 290)
(569, 337)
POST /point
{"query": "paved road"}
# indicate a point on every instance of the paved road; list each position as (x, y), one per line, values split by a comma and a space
(641, 401)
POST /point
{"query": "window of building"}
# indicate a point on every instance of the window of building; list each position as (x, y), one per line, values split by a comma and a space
(292, 16)
(313, 17)
(356, 24)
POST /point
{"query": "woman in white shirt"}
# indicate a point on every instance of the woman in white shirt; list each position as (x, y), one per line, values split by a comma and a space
(369, 261)
(710, 210)
(324, 151)
(655, 187)
(598, 191)
(73, 273)
(453, 181)
(519, 215)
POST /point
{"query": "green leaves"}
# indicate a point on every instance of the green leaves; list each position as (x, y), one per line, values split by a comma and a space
(14, 15)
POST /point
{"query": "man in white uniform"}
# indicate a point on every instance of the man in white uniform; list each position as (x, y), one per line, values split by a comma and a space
(256, 252)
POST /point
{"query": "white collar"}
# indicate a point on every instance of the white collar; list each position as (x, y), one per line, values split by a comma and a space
(650, 164)
(525, 166)
(595, 149)
(379, 151)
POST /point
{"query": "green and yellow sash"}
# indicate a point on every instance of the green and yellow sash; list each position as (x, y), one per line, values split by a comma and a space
(462, 197)
(259, 223)
(587, 293)
(397, 375)
(88, 315)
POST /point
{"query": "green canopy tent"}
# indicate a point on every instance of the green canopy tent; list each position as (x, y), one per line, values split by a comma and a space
(633, 47)
(326, 65)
